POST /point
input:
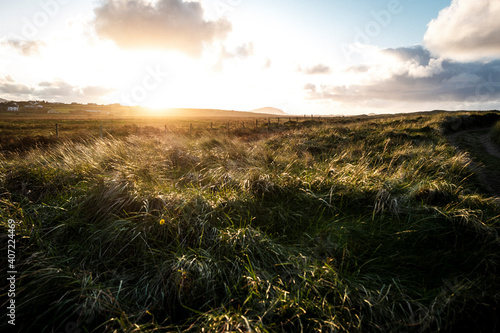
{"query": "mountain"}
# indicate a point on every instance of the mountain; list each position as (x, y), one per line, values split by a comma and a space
(3, 100)
(270, 110)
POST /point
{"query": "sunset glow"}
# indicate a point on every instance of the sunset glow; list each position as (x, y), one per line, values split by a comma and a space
(314, 57)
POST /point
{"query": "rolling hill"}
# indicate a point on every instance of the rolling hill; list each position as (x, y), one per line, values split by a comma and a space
(270, 110)
(215, 113)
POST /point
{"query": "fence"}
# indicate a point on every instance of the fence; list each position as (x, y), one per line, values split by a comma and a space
(193, 127)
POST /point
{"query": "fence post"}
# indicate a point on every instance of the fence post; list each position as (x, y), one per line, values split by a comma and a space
(228, 128)
(190, 129)
(211, 125)
(256, 123)
(278, 122)
(100, 131)
(57, 130)
(243, 124)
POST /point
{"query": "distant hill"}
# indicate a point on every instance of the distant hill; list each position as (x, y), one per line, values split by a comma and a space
(3, 100)
(213, 113)
(270, 110)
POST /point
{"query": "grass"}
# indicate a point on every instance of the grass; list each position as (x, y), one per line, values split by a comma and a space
(363, 225)
(495, 133)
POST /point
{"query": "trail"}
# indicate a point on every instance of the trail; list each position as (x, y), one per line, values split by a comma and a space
(490, 147)
(489, 179)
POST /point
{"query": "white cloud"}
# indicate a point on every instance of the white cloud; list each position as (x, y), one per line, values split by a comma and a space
(165, 24)
(467, 30)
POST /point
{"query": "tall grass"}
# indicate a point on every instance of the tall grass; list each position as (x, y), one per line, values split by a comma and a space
(495, 133)
(366, 226)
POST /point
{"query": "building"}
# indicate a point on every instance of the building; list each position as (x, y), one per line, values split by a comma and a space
(12, 107)
(52, 111)
(33, 105)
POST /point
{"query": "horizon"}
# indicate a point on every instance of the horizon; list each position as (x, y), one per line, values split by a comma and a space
(315, 57)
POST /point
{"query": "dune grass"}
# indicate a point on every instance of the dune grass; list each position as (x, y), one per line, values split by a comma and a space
(495, 133)
(374, 225)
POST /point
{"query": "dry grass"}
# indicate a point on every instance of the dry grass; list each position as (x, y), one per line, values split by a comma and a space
(363, 226)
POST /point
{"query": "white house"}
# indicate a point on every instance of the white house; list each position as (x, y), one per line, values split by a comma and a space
(33, 105)
(13, 107)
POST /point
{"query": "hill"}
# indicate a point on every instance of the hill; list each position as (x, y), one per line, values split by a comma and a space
(270, 110)
(215, 113)
(3, 100)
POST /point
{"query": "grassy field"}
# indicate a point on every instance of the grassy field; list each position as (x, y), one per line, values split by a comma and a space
(348, 225)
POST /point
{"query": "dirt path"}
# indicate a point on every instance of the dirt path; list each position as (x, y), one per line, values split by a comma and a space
(490, 147)
(488, 169)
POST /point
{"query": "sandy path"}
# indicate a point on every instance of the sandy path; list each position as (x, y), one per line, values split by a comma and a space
(489, 180)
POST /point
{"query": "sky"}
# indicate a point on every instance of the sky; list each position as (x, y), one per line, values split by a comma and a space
(300, 56)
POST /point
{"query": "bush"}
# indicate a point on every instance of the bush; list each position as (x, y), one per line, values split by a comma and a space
(464, 122)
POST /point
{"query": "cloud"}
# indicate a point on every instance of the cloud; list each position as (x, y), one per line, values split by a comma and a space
(467, 30)
(61, 90)
(10, 87)
(267, 64)
(58, 90)
(309, 87)
(358, 69)
(27, 48)
(165, 24)
(317, 69)
(241, 52)
(244, 51)
(417, 60)
(419, 78)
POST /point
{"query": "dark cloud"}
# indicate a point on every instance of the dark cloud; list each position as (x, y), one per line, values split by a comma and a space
(467, 30)
(27, 48)
(415, 53)
(432, 80)
(165, 24)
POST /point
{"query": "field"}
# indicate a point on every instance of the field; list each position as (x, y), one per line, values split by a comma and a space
(386, 224)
